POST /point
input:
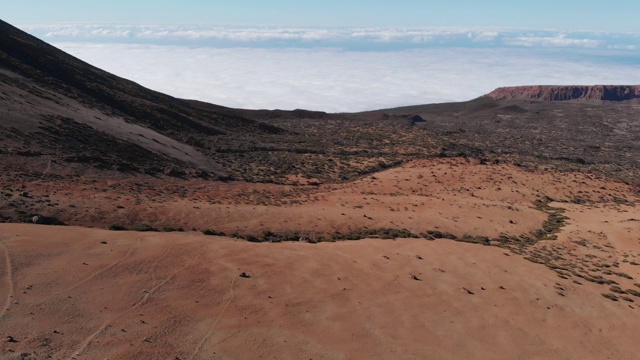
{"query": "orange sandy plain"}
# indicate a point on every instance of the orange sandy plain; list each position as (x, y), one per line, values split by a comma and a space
(78, 292)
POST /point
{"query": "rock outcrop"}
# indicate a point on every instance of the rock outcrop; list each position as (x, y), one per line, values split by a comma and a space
(562, 93)
(47, 220)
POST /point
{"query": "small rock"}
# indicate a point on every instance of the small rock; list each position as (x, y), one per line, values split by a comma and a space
(11, 339)
(468, 291)
(245, 275)
(415, 278)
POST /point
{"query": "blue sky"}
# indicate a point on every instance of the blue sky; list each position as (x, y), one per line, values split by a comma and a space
(586, 15)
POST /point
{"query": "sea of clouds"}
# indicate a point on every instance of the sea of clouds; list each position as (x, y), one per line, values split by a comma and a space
(344, 69)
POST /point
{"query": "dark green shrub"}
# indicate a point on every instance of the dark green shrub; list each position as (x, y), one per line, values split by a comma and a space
(475, 239)
(633, 292)
(435, 234)
(617, 289)
(213, 232)
(143, 228)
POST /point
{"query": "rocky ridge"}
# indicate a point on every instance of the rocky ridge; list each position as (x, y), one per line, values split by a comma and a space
(569, 92)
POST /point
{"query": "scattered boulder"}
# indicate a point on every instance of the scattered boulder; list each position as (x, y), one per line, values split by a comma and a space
(46, 220)
(468, 291)
(11, 339)
(417, 119)
(38, 219)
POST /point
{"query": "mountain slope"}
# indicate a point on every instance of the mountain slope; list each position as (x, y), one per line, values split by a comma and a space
(60, 115)
(48, 98)
(585, 134)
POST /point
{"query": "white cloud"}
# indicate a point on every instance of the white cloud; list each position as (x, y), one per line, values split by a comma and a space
(560, 40)
(346, 38)
(624, 47)
(338, 80)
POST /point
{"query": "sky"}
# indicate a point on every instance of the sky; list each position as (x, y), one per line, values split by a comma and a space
(589, 15)
(347, 55)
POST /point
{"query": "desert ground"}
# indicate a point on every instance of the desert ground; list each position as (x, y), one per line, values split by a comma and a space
(567, 291)
(504, 227)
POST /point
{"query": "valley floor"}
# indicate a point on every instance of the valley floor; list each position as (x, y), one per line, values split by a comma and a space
(86, 293)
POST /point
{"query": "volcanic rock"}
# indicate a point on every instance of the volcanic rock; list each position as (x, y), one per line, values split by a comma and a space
(563, 93)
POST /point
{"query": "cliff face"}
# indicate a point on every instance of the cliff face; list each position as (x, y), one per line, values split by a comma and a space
(561, 93)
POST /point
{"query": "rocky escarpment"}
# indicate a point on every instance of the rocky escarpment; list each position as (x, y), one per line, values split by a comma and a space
(562, 93)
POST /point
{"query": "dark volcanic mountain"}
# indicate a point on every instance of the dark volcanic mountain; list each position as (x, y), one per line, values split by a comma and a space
(54, 104)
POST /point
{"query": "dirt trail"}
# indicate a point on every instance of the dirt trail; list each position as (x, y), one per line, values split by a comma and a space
(8, 279)
(106, 268)
(216, 321)
(147, 293)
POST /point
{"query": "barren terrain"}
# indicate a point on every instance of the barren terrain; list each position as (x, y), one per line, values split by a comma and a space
(505, 227)
(89, 293)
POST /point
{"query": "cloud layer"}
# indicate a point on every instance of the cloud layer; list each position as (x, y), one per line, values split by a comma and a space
(344, 38)
(345, 69)
(347, 80)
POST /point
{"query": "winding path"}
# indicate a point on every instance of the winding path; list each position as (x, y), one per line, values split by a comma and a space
(91, 337)
(126, 256)
(217, 320)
